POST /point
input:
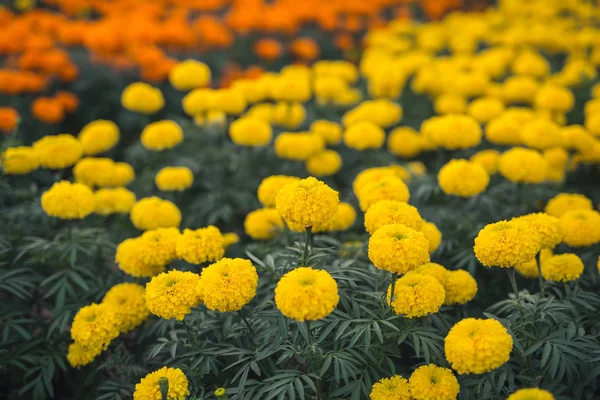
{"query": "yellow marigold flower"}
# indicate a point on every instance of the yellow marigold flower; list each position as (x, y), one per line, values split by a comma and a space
(387, 188)
(57, 152)
(504, 131)
(592, 124)
(531, 394)
(129, 305)
(201, 245)
(541, 134)
(143, 98)
(398, 249)
(172, 294)
(230, 101)
(307, 202)
(330, 131)
(556, 157)
(174, 179)
(460, 287)
(433, 235)
(79, 356)
(123, 173)
(485, 108)
(416, 295)
(68, 200)
(98, 136)
(198, 101)
(148, 254)
(506, 244)
(523, 165)
(528, 269)
(113, 201)
(434, 269)
(189, 74)
(563, 202)
(530, 63)
(417, 168)
(476, 346)
(161, 135)
(389, 212)
(450, 103)
(430, 382)
(94, 326)
(289, 115)
(580, 227)
(19, 160)
(392, 388)
(92, 171)
(220, 392)
(364, 135)
(519, 89)
(298, 146)
(405, 142)
(230, 238)
(381, 112)
(325, 163)
(546, 226)
(250, 131)
(453, 131)
(153, 212)
(306, 294)
(463, 178)
(263, 224)
(371, 175)
(562, 268)
(270, 186)
(488, 159)
(555, 98)
(228, 285)
(343, 219)
(149, 386)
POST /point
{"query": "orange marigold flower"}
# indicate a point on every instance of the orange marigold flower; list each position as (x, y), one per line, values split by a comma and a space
(69, 101)
(305, 48)
(9, 117)
(268, 49)
(48, 110)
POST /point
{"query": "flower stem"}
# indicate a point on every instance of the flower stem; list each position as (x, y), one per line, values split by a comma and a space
(513, 282)
(540, 278)
(307, 239)
(247, 323)
(393, 291)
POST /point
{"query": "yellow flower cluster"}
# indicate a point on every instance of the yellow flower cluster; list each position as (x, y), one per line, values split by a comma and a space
(270, 186)
(433, 235)
(147, 255)
(562, 268)
(343, 219)
(201, 245)
(430, 382)
(153, 212)
(416, 295)
(531, 394)
(506, 244)
(57, 152)
(149, 386)
(545, 226)
(95, 326)
(227, 285)
(395, 387)
(523, 165)
(330, 131)
(103, 172)
(385, 188)
(263, 224)
(98, 137)
(389, 212)
(19, 160)
(298, 146)
(459, 285)
(172, 294)
(452, 131)
(174, 179)
(307, 203)
(161, 135)
(142, 98)
(306, 294)
(488, 159)
(398, 249)
(113, 201)
(463, 178)
(563, 202)
(189, 74)
(381, 112)
(405, 142)
(324, 163)
(128, 302)
(476, 346)
(364, 135)
(250, 131)
(68, 200)
(580, 227)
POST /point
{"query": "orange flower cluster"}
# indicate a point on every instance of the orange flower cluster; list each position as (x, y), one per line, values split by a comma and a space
(52, 110)
(9, 117)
